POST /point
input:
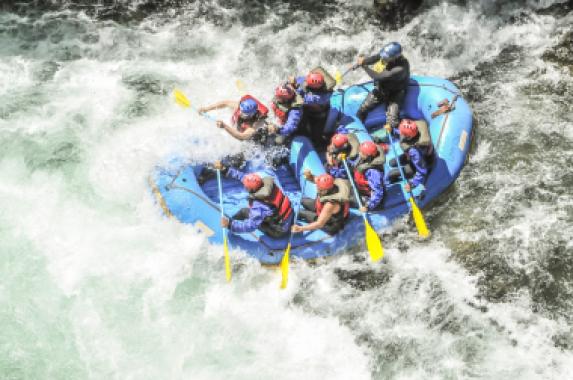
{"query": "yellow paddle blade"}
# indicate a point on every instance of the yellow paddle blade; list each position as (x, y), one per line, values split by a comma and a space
(419, 219)
(338, 77)
(227, 260)
(373, 242)
(240, 85)
(181, 99)
(284, 267)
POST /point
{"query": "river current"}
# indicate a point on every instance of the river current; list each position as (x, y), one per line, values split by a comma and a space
(95, 283)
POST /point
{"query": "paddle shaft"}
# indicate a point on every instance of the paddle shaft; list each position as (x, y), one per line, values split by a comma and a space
(354, 67)
(356, 194)
(225, 241)
(407, 194)
(297, 210)
(204, 114)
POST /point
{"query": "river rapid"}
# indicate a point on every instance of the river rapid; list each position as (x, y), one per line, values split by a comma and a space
(95, 283)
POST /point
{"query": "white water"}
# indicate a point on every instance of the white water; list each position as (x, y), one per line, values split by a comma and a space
(96, 283)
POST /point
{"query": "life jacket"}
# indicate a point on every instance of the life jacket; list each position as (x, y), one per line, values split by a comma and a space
(341, 195)
(272, 195)
(329, 81)
(281, 110)
(242, 124)
(362, 166)
(423, 140)
(354, 145)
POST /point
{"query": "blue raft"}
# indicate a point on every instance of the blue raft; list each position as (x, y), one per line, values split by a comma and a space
(180, 195)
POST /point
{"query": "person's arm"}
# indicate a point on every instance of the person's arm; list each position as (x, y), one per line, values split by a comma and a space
(308, 175)
(328, 210)
(317, 98)
(247, 134)
(371, 60)
(257, 215)
(396, 74)
(291, 125)
(235, 173)
(222, 104)
(376, 182)
(419, 162)
(337, 171)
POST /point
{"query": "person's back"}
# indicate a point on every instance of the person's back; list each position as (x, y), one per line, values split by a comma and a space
(269, 208)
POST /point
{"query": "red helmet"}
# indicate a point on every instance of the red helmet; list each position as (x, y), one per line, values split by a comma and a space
(368, 149)
(339, 140)
(252, 182)
(284, 93)
(408, 128)
(315, 80)
(324, 182)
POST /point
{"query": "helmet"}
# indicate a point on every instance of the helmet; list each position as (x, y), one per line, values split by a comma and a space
(324, 182)
(391, 51)
(248, 108)
(284, 93)
(368, 149)
(408, 128)
(252, 182)
(339, 141)
(315, 80)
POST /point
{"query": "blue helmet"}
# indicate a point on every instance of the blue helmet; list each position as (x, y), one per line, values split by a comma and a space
(391, 51)
(248, 107)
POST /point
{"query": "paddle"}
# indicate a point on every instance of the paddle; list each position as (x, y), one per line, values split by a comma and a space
(240, 85)
(416, 213)
(182, 100)
(225, 243)
(285, 259)
(373, 242)
(338, 77)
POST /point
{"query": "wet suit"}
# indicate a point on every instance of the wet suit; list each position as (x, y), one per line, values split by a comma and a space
(390, 87)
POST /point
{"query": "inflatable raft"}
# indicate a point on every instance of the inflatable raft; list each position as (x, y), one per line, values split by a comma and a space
(182, 198)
